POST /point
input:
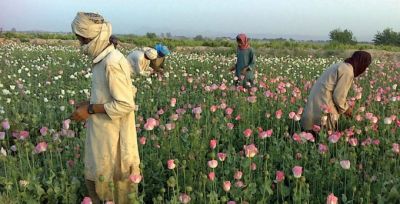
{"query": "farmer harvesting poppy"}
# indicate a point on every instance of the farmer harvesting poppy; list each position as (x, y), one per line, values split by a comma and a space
(245, 64)
(140, 60)
(158, 63)
(327, 100)
(111, 151)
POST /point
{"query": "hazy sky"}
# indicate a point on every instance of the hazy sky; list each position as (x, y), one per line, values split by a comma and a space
(300, 19)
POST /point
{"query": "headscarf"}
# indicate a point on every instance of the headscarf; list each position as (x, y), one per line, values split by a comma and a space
(150, 53)
(114, 40)
(360, 60)
(245, 41)
(162, 50)
(92, 26)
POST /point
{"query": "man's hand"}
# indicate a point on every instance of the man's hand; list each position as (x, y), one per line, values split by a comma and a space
(81, 113)
(349, 112)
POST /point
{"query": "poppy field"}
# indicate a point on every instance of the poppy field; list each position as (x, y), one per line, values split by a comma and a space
(202, 139)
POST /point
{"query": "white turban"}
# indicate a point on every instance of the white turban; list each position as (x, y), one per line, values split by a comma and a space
(93, 27)
(150, 53)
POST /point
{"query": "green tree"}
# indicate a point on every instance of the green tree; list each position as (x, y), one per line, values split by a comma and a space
(387, 37)
(199, 38)
(343, 37)
(151, 35)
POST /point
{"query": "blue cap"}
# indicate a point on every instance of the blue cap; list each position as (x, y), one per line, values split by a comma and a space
(162, 50)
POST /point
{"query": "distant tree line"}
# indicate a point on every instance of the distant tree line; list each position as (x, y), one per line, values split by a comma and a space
(340, 40)
(386, 37)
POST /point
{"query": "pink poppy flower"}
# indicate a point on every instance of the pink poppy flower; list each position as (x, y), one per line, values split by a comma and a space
(222, 106)
(252, 99)
(135, 178)
(171, 164)
(307, 136)
(230, 126)
(396, 148)
(296, 137)
(41, 147)
(222, 87)
(239, 184)
(173, 102)
(228, 111)
(213, 108)
(316, 128)
(213, 143)
(184, 198)
(265, 134)
(2, 135)
(211, 176)
(268, 94)
(174, 117)
(292, 114)
(322, 148)
(353, 141)
(21, 135)
(247, 133)
(374, 120)
(43, 131)
(300, 111)
(226, 186)
(212, 163)
(345, 164)
(86, 200)
(142, 140)
(221, 156)
(331, 199)
(334, 137)
(366, 142)
(5, 124)
(253, 166)
(358, 118)
(71, 101)
(238, 175)
(237, 118)
(150, 124)
(66, 124)
(250, 150)
(387, 121)
(160, 112)
(325, 108)
(170, 126)
(278, 114)
(368, 115)
(297, 171)
(280, 176)
(197, 110)
(180, 111)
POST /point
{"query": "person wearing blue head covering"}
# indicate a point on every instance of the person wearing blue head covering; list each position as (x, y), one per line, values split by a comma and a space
(158, 63)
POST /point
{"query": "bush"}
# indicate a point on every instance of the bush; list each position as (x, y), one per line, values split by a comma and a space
(387, 37)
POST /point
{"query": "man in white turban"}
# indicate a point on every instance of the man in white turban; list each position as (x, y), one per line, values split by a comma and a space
(111, 150)
(140, 60)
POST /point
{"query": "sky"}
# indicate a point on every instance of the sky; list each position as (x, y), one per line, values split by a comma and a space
(297, 19)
